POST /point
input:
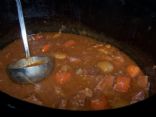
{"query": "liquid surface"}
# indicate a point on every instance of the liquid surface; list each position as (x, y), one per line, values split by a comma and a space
(88, 75)
(32, 64)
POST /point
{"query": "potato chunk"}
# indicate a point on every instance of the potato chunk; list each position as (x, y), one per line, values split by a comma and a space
(105, 66)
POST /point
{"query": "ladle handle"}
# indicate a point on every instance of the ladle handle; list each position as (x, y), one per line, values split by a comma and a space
(23, 29)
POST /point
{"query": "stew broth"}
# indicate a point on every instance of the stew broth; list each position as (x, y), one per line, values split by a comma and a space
(88, 75)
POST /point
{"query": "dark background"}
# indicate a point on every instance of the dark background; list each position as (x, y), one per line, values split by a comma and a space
(129, 21)
(121, 19)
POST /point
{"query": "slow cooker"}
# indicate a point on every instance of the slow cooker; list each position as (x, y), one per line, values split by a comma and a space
(130, 22)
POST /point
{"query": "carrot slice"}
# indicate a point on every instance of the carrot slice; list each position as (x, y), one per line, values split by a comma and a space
(133, 70)
(69, 43)
(63, 77)
(45, 48)
(99, 104)
(122, 84)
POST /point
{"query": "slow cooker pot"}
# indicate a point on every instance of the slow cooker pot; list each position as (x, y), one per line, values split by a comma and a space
(128, 24)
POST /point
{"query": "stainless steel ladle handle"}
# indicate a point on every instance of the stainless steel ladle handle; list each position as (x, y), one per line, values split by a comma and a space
(23, 29)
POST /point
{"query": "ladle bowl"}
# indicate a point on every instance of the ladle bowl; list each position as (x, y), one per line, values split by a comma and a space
(30, 70)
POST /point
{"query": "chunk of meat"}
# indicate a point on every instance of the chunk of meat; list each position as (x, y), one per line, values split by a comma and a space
(133, 70)
(63, 77)
(99, 104)
(122, 84)
(138, 97)
(105, 85)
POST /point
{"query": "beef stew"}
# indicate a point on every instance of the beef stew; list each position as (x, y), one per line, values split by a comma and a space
(88, 74)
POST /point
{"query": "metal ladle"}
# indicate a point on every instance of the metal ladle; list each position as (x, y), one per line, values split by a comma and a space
(29, 69)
